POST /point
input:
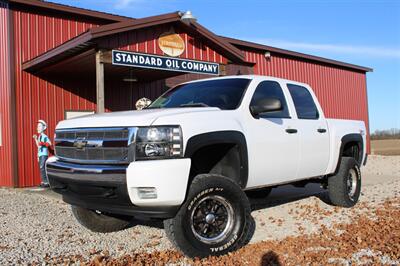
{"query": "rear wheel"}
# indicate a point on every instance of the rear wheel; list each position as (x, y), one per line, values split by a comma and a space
(345, 187)
(214, 220)
(99, 222)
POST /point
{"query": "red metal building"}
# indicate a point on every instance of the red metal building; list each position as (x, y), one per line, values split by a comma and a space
(50, 56)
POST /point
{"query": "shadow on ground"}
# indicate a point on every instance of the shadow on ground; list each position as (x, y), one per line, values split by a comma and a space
(270, 259)
(279, 196)
(289, 193)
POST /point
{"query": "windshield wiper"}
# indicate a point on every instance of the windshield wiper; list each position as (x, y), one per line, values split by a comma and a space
(194, 105)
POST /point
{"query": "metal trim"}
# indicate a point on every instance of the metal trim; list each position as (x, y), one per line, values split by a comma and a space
(262, 47)
(72, 10)
(130, 141)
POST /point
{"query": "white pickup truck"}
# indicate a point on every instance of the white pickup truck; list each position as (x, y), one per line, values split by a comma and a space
(193, 156)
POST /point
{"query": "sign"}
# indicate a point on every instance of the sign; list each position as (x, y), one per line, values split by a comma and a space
(171, 43)
(131, 59)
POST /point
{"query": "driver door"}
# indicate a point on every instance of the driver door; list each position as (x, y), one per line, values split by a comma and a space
(273, 141)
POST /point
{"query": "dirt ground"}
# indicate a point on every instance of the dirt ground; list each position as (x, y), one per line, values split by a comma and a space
(297, 226)
(293, 226)
(385, 147)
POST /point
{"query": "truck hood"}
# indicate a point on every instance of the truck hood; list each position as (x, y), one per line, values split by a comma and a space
(128, 118)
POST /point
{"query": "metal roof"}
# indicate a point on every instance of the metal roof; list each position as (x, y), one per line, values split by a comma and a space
(263, 47)
(71, 9)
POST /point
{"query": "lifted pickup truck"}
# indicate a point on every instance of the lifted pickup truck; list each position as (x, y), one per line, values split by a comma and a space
(192, 157)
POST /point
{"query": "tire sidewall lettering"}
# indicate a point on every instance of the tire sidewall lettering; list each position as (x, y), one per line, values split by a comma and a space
(201, 194)
(225, 246)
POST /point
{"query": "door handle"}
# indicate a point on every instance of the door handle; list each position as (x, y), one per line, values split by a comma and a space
(291, 130)
(321, 130)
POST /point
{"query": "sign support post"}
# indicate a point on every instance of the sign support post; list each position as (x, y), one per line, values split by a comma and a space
(99, 83)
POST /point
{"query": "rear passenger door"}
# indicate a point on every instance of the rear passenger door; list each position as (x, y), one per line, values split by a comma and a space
(312, 131)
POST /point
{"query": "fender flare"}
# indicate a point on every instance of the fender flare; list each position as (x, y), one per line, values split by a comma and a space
(351, 138)
(197, 142)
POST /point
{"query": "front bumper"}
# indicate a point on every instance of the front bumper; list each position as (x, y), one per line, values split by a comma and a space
(112, 188)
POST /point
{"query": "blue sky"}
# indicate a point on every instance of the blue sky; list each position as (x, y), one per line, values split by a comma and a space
(365, 33)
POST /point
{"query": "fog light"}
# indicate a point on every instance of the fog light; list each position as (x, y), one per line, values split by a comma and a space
(147, 193)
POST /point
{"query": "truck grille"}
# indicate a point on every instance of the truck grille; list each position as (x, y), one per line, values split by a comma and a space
(95, 145)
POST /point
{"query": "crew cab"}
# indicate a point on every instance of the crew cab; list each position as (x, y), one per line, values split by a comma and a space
(194, 155)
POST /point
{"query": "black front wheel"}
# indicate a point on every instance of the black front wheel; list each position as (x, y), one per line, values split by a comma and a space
(214, 220)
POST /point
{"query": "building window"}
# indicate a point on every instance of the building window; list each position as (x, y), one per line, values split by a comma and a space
(76, 113)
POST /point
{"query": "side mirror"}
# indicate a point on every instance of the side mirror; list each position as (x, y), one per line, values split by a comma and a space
(266, 105)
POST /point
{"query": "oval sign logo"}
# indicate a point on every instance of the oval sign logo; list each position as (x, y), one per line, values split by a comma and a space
(171, 43)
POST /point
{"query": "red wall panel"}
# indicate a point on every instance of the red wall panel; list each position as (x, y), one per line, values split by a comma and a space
(122, 96)
(6, 178)
(341, 92)
(36, 99)
(145, 41)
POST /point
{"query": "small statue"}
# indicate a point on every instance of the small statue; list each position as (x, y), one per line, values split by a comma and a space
(142, 103)
(43, 144)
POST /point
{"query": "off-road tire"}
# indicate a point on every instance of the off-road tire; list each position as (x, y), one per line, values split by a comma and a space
(338, 187)
(180, 229)
(99, 222)
(259, 193)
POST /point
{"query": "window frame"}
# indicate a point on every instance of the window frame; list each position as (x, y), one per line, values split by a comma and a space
(284, 103)
(312, 98)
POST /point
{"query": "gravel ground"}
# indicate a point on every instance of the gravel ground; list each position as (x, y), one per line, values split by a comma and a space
(36, 226)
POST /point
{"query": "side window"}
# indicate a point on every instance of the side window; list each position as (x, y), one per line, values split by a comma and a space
(271, 89)
(303, 102)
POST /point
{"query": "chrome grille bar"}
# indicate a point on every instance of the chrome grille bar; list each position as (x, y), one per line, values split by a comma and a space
(95, 145)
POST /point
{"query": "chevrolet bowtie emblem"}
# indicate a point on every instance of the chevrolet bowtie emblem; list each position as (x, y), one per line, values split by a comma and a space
(80, 143)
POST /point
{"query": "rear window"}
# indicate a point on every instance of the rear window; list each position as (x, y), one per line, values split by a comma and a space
(303, 102)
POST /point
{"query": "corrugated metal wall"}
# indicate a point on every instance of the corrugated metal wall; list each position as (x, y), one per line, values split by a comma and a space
(36, 98)
(341, 92)
(121, 96)
(145, 41)
(6, 178)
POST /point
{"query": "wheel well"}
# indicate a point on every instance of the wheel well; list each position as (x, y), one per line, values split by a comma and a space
(222, 159)
(352, 149)
(352, 146)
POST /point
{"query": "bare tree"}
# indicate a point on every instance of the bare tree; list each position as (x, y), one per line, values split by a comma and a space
(393, 133)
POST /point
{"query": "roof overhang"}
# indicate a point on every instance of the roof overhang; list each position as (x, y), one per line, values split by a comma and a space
(44, 5)
(87, 40)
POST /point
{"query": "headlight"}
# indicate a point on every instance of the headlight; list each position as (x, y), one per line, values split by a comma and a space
(159, 142)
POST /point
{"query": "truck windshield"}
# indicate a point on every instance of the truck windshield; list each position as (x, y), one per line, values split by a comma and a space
(226, 94)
